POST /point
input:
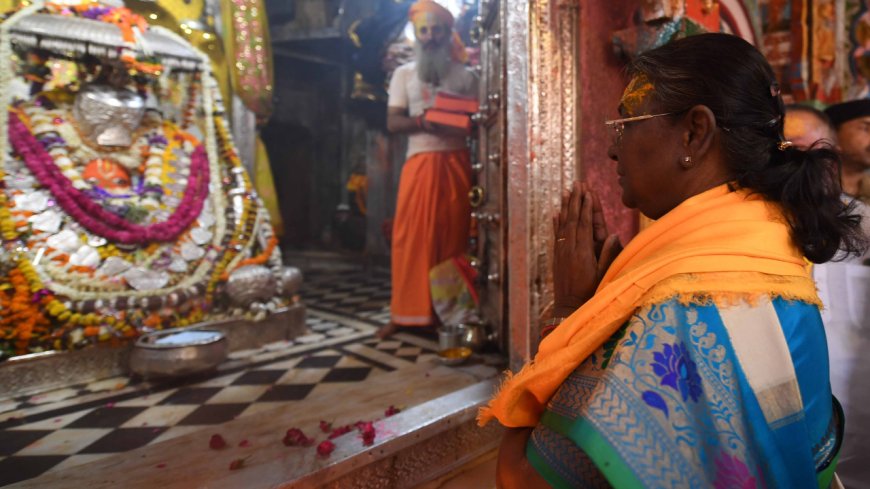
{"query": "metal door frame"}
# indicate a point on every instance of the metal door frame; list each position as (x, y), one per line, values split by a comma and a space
(541, 151)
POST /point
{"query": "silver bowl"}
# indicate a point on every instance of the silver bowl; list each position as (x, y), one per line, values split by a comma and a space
(451, 351)
(175, 353)
(475, 336)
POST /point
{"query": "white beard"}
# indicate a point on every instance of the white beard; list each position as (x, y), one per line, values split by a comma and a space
(433, 65)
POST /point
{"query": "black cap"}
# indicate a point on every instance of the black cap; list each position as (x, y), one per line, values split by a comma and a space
(846, 111)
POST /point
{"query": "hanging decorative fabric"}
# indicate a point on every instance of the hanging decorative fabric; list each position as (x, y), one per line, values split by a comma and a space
(246, 40)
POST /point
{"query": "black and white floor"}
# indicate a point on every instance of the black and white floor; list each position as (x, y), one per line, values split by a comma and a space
(81, 423)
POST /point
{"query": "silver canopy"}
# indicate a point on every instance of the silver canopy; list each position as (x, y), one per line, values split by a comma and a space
(75, 36)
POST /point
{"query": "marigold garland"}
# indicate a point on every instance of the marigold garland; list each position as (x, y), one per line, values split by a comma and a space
(260, 259)
(20, 315)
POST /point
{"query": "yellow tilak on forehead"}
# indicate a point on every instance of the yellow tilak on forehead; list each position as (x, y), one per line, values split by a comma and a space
(639, 89)
(427, 19)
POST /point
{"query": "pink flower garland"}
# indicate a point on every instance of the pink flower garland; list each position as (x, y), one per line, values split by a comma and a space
(91, 215)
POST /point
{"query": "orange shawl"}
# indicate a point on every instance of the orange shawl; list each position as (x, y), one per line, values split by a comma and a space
(720, 245)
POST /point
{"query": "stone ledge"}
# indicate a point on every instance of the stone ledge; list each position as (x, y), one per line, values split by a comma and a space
(31, 374)
(434, 439)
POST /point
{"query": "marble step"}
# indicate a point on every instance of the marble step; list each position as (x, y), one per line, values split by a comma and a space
(432, 436)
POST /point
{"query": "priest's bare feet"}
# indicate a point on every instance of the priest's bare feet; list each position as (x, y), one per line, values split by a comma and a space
(387, 330)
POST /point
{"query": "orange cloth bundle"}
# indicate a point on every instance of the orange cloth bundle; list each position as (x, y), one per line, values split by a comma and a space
(456, 103)
(452, 119)
(721, 246)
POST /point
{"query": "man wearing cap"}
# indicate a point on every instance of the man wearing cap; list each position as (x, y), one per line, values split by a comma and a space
(432, 210)
(844, 288)
(852, 121)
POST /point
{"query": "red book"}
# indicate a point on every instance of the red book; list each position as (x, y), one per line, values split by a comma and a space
(456, 103)
(451, 119)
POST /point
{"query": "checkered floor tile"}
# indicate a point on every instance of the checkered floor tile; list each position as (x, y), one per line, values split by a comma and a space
(359, 294)
(81, 423)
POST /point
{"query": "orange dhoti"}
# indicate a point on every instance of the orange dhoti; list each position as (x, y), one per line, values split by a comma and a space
(431, 225)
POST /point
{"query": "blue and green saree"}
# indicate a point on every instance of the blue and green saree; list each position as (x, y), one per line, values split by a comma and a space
(696, 396)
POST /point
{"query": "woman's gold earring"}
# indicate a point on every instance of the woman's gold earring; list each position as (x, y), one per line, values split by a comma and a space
(686, 162)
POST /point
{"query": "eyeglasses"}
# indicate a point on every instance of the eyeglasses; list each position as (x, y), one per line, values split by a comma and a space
(618, 125)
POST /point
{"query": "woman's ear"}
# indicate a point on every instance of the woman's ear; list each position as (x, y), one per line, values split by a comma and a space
(700, 133)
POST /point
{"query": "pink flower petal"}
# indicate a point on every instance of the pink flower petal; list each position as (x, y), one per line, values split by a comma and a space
(217, 442)
(325, 448)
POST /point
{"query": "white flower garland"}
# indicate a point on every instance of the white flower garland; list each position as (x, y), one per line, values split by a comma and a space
(85, 282)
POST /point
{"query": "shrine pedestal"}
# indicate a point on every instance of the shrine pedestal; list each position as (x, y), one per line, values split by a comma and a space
(39, 372)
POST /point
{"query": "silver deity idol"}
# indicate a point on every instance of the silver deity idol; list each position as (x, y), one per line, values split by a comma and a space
(108, 116)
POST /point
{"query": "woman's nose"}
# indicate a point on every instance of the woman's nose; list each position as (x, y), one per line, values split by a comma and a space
(611, 152)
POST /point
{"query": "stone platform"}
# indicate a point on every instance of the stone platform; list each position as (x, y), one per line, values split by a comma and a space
(39, 372)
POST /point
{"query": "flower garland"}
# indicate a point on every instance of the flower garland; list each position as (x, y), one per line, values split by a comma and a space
(154, 161)
(44, 123)
(94, 217)
(180, 291)
(31, 319)
(210, 99)
(79, 289)
(7, 223)
(58, 126)
(132, 28)
(245, 225)
(58, 133)
(222, 246)
(20, 314)
(260, 259)
(194, 87)
(69, 322)
(24, 285)
(233, 262)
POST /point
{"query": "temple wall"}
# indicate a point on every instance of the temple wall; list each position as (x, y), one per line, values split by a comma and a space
(601, 84)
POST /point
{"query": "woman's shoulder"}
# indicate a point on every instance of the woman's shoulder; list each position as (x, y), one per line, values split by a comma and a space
(757, 307)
